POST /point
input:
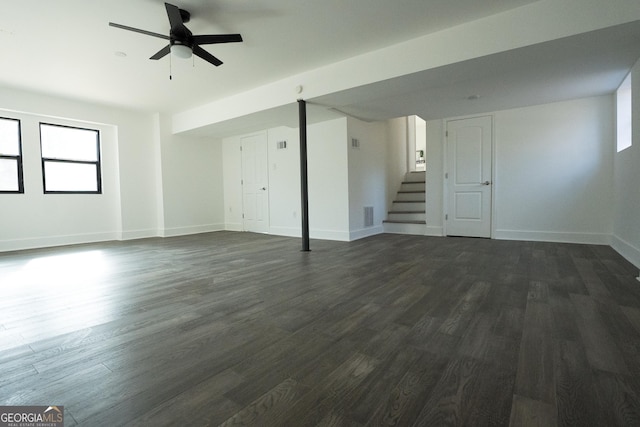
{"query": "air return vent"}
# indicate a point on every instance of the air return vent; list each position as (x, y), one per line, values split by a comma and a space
(368, 216)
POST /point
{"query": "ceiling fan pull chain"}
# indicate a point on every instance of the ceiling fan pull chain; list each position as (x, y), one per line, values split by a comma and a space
(170, 68)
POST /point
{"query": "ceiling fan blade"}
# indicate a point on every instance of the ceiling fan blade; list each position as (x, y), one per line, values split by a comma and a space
(137, 30)
(198, 51)
(217, 38)
(175, 19)
(162, 52)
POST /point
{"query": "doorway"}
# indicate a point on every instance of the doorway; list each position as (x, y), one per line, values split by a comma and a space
(416, 144)
(255, 183)
(469, 186)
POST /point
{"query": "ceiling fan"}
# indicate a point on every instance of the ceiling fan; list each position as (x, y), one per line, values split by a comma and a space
(182, 42)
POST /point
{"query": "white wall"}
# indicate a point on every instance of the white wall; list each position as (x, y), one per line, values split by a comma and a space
(554, 177)
(140, 173)
(554, 172)
(435, 177)
(36, 219)
(367, 176)
(154, 183)
(626, 232)
(396, 166)
(341, 180)
(192, 186)
(284, 182)
(232, 176)
(328, 180)
(127, 206)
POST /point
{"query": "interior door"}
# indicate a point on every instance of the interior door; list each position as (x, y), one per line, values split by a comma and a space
(255, 183)
(469, 148)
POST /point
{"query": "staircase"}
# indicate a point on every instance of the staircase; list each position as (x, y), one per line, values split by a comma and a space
(407, 214)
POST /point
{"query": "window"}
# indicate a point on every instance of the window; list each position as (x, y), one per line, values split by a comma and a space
(623, 114)
(10, 157)
(70, 159)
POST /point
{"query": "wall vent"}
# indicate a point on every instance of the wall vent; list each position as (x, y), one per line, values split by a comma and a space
(368, 216)
(355, 143)
(282, 145)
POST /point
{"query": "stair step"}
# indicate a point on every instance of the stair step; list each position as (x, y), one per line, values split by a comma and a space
(410, 196)
(399, 221)
(406, 216)
(415, 176)
(413, 186)
(412, 228)
(408, 206)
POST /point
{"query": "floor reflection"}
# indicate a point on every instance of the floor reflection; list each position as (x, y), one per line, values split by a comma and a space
(63, 292)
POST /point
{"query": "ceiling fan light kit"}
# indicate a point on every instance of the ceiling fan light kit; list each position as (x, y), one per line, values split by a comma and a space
(182, 42)
(181, 51)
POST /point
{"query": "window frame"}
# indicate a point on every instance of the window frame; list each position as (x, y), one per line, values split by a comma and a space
(17, 158)
(97, 162)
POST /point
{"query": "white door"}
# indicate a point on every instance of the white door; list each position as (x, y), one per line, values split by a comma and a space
(469, 184)
(255, 183)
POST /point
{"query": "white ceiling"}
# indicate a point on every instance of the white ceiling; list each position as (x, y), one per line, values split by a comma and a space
(589, 64)
(66, 48)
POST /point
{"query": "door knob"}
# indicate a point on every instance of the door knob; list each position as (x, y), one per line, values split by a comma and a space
(264, 189)
(486, 183)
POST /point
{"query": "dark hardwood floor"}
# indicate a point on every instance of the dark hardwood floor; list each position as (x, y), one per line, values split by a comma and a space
(243, 329)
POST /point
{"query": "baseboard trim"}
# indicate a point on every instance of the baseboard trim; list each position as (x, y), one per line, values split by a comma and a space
(434, 231)
(233, 226)
(195, 229)
(366, 232)
(341, 236)
(286, 231)
(52, 241)
(552, 236)
(405, 228)
(627, 250)
(326, 234)
(138, 234)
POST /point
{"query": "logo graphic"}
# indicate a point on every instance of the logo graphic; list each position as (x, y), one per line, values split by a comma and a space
(31, 416)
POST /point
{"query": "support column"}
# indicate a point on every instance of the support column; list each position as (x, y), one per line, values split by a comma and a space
(304, 186)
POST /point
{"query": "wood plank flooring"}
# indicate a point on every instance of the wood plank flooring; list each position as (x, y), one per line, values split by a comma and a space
(242, 329)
